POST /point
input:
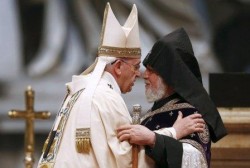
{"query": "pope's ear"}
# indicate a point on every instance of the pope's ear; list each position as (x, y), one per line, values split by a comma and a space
(117, 67)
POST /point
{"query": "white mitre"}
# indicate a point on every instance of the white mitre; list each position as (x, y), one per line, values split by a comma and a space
(116, 42)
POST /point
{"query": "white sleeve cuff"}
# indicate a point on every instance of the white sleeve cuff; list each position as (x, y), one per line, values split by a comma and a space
(173, 132)
(170, 131)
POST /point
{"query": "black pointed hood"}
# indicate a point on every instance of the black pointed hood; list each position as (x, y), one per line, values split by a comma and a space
(172, 57)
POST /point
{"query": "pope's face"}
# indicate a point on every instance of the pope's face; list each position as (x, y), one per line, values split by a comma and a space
(130, 70)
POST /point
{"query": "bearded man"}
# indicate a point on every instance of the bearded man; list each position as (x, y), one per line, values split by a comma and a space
(173, 82)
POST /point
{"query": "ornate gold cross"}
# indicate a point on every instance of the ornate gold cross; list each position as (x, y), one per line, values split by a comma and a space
(29, 115)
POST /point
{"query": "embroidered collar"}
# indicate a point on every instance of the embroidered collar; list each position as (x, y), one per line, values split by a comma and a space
(168, 107)
(162, 102)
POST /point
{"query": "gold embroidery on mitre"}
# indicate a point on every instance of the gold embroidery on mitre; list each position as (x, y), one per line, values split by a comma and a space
(83, 140)
(119, 52)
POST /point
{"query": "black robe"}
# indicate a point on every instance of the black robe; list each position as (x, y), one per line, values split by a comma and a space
(167, 152)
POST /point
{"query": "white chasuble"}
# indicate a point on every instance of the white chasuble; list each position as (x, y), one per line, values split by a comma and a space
(108, 112)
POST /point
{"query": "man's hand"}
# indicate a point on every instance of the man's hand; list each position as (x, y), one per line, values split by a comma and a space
(136, 134)
(187, 125)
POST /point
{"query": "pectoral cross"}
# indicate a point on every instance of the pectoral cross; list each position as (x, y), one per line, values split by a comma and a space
(29, 115)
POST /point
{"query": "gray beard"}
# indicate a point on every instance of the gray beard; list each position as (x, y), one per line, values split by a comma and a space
(154, 94)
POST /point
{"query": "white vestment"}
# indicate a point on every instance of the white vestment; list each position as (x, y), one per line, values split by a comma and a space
(191, 156)
(109, 111)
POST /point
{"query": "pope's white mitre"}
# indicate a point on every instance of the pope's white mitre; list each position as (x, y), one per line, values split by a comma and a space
(117, 40)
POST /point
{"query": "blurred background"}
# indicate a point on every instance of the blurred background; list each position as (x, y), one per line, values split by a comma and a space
(44, 42)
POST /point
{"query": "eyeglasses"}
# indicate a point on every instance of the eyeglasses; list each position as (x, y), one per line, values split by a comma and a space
(134, 68)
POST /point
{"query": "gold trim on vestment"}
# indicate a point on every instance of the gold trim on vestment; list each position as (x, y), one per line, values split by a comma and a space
(46, 165)
(204, 136)
(196, 145)
(83, 140)
(46, 143)
(64, 112)
(119, 52)
(167, 108)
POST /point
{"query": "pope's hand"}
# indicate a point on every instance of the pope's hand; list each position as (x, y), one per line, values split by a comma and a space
(136, 134)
